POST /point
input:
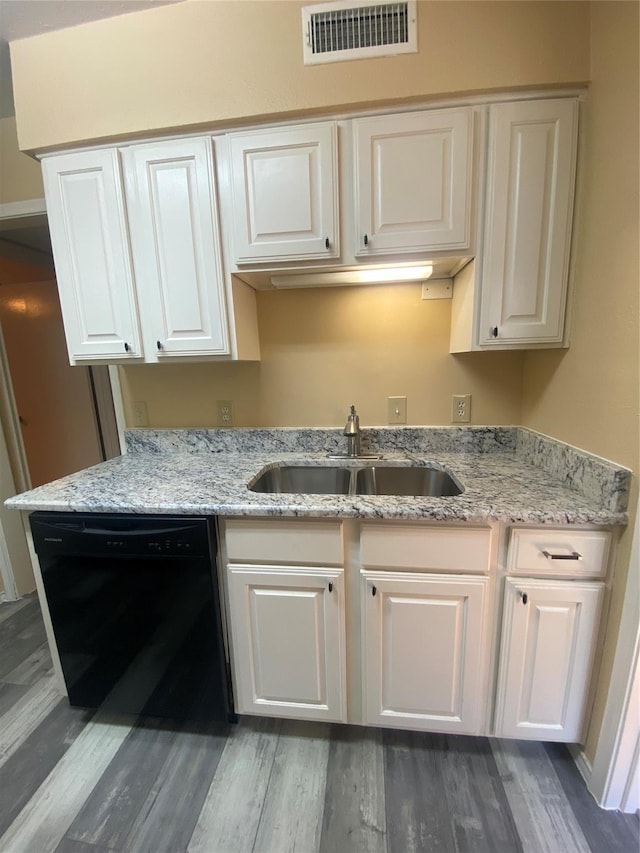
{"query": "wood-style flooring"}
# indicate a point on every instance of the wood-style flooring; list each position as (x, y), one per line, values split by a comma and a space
(75, 782)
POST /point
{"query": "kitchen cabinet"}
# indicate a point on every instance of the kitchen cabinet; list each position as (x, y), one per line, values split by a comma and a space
(413, 182)
(284, 186)
(285, 588)
(513, 296)
(424, 651)
(175, 243)
(87, 222)
(288, 641)
(396, 623)
(548, 643)
(149, 284)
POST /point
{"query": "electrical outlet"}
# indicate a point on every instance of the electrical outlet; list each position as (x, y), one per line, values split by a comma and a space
(397, 410)
(461, 408)
(140, 415)
(225, 413)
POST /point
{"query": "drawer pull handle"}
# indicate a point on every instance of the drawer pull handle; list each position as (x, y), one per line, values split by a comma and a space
(373, 590)
(523, 596)
(330, 587)
(572, 556)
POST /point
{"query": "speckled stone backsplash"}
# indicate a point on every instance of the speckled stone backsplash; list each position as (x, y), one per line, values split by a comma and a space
(595, 478)
(323, 440)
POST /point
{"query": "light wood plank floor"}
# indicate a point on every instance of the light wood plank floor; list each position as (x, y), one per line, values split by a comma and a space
(75, 782)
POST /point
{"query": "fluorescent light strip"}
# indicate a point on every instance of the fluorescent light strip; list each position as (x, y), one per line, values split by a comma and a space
(361, 276)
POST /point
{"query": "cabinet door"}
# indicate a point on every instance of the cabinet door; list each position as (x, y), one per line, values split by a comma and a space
(529, 209)
(413, 182)
(288, 641)
(176, 247)
(285, 193)
(424, 651)
(85, 208)
(548, 641)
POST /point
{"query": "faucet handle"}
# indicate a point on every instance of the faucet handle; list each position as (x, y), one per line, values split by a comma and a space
(352, 427)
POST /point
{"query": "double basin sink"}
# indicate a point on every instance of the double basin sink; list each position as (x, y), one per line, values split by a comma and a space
(414, 481)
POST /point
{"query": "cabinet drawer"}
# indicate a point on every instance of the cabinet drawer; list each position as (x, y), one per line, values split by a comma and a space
(406, 546)
(284, 541)
(568, 553)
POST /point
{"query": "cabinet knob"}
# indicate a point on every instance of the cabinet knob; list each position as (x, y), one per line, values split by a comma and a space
(366, 240)
(523, 596)
(373, 590)
(494, 331)
(126, 347)
(159, 344)
(327, 243)
(330, 587)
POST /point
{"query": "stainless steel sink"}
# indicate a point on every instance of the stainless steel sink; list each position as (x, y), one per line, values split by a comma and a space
(371, 480)
(417, 481)
(305, 480)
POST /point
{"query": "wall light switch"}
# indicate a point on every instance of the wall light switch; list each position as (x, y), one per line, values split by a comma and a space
(397, 410)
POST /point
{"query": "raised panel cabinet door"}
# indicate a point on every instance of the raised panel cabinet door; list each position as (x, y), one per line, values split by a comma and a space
(529, 212)
(173, 217)
(285, 193)
(548, 643)
(288, 642)
(413, 182)
(424, 651)
(87, 221)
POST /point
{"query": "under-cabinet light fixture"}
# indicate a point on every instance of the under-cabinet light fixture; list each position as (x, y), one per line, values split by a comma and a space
(361, 276)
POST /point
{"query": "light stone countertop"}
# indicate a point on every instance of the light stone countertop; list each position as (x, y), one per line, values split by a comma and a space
(508, 475)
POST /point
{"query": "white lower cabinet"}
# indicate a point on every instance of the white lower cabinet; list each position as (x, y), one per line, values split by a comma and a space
(548, 643)
(424, 651)
(397, 624)
(287, 627)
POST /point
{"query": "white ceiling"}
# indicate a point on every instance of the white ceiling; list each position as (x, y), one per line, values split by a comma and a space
(23, 18)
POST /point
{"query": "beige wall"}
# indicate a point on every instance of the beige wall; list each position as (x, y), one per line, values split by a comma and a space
(588, 395)
(202, 62)
(325, 349)
(20, 177)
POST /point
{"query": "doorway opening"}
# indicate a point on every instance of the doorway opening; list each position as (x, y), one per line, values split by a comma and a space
(57, 418)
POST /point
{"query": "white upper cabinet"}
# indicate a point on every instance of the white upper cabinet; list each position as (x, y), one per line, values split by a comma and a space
(284, 186)
(175, 242)
(413, 182)
(529, 210)
(87, 221)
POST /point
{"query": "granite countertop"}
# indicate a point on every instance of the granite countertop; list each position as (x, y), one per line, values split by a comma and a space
(508, 474)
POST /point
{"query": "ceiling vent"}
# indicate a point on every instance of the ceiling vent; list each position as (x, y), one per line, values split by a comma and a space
(353, 29)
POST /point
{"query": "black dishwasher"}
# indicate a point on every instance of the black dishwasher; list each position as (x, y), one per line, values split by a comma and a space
(135, 611)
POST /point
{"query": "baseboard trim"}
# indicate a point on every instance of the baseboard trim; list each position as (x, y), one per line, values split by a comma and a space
(582, 762)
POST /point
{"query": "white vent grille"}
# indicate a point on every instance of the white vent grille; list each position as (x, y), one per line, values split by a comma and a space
(336, 32)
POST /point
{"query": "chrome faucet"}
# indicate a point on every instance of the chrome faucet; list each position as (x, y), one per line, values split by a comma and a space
(352, 432)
